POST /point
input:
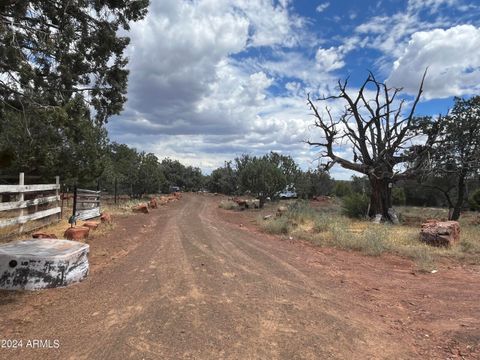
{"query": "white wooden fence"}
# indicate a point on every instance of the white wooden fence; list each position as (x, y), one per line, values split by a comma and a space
(34, 206)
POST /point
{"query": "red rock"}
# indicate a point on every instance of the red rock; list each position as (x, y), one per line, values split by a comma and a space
(153, 204)
(240, 202)
(440, 233)
(106, 218)
(177, 195)
(91, 224)
(141, 208)
(163, 200)
(77, 233)
(42, 235)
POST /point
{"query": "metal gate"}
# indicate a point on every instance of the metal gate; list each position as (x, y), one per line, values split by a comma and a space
(86, 204)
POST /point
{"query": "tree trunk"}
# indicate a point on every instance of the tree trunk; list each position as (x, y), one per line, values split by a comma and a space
(381, 200)
(455, 214)
(262, 200)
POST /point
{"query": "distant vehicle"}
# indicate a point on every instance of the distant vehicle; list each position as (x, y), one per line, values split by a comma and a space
(174, 189)
(289, 194)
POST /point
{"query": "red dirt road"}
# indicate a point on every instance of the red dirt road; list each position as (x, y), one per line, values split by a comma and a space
(186, 281)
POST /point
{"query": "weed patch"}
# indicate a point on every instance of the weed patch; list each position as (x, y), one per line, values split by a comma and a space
(326, 227)
(228, 205)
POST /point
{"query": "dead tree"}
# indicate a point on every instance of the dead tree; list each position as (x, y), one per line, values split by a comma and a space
(381, 133)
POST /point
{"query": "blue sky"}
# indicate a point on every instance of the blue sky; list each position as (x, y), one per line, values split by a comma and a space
(212, 79)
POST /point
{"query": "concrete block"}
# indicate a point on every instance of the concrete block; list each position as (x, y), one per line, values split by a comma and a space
(42, 263)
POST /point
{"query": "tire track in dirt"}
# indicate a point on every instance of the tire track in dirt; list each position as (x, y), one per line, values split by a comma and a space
(191, 285)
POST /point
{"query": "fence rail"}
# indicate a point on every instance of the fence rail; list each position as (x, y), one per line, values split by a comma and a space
(22, 215)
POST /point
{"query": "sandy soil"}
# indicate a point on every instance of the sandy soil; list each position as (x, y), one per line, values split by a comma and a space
(197, 282)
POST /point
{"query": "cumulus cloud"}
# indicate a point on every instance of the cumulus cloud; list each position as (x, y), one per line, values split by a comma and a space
(329, 59)
(190, 100)
(210, 80)
(390, 33)
(452, 58)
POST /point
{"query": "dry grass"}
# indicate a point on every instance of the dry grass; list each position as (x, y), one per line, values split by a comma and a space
(325, 227)
(228, 205)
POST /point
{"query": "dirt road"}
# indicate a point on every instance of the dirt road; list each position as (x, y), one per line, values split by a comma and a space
(189, 282)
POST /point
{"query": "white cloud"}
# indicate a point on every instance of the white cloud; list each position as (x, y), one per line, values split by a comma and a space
(390, 33)
(452, 57)
(329, 59)
(322, 7)
(188, 98)
(432, 5)
(210, 80)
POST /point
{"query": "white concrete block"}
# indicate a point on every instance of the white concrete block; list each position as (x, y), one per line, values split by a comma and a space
(42, 263)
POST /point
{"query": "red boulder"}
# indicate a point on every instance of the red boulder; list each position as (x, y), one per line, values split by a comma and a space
(106, 218)
(42, 235)
(77, 233)
(141, 208)
(153, 204)
(91, 224)
(440, 233)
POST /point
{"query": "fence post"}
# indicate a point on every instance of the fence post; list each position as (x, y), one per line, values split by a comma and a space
(74, 221)
(21, 182)
(57, 193)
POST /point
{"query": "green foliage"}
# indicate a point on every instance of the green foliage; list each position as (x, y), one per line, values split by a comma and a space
(264, 176)
(361, 185)
(188, 178)
(313, 183)
(475, 200)
(280, 225)
(142, 173)
(457, 156)
(54, 51)
(63, 74)
(398, 196)
(223, 180)
(417, 194)
(355, 205)
(342, 188)
(54, 141)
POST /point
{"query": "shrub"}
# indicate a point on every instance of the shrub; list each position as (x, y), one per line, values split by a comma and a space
(342, 189)
(355, 205)
(475, 200)
(398, 196)
(300, 211)
(279, 225)
(228, 205)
